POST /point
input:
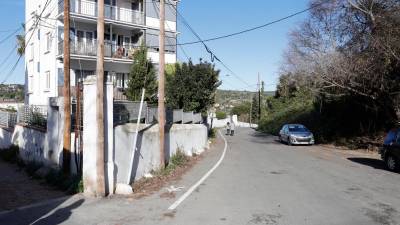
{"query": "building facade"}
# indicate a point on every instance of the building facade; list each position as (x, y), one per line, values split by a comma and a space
(128, 24)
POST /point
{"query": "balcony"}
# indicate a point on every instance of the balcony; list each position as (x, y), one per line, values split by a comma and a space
(86, 8)
(89, 49)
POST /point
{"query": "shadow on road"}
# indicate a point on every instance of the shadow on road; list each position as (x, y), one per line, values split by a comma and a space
(374, 163)
(37, 214)
(60, 215)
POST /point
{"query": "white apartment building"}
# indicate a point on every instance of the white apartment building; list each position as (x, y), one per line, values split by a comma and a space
(128, 23)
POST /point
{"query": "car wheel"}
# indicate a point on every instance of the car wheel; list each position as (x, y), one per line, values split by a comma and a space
(280, 139)
(392, 163)
(289, 142)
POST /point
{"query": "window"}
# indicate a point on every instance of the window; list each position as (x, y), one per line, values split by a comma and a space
(48, 42)
(47, 80)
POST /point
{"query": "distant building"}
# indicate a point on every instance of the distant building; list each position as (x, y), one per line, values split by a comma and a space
(128, 23)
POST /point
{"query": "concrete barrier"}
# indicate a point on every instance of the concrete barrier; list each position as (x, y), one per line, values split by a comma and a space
(190, 138)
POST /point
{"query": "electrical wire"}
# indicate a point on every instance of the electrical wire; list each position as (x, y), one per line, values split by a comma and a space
(26, 43)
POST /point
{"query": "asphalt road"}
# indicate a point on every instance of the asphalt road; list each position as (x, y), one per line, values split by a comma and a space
(260, 181)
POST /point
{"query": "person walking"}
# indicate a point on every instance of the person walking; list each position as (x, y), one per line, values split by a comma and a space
(228, 128)
(232, 128)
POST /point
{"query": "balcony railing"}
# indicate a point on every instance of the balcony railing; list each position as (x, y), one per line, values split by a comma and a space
(89, 8)
(90, 49)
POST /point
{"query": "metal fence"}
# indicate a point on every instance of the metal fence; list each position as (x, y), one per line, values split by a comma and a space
(33, 115)
(127, 111)
(8, 119)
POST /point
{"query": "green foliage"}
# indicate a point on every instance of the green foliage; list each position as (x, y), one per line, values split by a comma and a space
(178, 160)
(37, 119)
(142, 75)
(192, 87)
(70, 184)
(11, 154)
(241, 109)
(286, 110)
(220, 115)
(212, 133)
(255, 115)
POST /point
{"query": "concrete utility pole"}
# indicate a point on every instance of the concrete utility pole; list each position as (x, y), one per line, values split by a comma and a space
(161, 84)
(100, 101)
(67, 93)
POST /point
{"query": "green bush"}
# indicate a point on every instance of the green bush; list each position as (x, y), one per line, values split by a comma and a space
(220, 115)
(212, 133)
(37, 119)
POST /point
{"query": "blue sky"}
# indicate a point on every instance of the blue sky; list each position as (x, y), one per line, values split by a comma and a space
(247, 54)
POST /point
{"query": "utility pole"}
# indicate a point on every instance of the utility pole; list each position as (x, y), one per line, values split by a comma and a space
(259, 97)
(100, 101)
(161, 84)
(67, 93)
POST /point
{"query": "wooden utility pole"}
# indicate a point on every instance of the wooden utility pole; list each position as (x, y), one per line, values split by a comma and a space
(161, 84)
(100, 101)
(259, 97)
(67, 93)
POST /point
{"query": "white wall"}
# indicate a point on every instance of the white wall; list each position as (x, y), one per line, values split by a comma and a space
(39, 93)
(5, 138)
(155, 23)
(190, 138)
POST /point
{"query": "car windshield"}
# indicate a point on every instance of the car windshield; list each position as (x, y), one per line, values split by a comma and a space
(297, 129)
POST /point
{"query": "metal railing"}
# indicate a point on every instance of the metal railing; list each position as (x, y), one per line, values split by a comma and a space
(8, 119)
(90, 49)
(128, 111)
(89, 8)
(33, 115)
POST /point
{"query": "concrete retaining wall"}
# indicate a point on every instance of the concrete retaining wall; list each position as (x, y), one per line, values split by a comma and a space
(190, 138)
(5, 138)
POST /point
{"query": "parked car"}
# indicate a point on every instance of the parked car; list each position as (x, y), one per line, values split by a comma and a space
(296, 134)
(390, 152)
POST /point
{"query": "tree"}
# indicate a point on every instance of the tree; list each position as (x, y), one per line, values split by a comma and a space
(21, 43)
(220, 115)
(192, 87)
(254, 109)
(242, 111)
(142, 75)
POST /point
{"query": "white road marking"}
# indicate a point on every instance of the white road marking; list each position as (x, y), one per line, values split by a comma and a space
(191, 189)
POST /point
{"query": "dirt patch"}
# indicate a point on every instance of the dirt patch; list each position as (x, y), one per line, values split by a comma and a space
(147, 186)
(170, 214)
(168, 195)
(19, 189)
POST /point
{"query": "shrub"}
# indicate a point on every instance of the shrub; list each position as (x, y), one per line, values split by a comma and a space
(212, 133)
(220, 115)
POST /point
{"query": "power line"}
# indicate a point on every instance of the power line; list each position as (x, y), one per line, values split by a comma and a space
(212, 54)
(26, 43)
(253, 28)
(10, 35)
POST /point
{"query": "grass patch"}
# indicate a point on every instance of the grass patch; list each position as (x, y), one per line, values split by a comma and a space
(177, 160)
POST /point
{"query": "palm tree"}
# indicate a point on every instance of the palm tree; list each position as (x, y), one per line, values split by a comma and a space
(21, 43)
